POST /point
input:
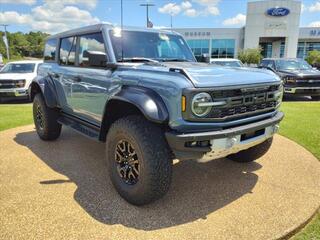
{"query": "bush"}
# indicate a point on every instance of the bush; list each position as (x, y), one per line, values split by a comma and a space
(250, 55)
(313, 58)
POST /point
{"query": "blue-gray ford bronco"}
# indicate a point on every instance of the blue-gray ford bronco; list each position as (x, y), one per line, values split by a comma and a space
(143, 93)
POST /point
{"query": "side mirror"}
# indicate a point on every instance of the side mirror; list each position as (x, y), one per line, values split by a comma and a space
(94, 58)
(205, 57)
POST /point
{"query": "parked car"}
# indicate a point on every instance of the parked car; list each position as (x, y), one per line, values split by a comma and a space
(298, 76)
(227, 62)
(16, 78)
(155, 103)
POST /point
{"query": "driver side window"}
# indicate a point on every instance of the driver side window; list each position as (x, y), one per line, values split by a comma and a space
(92, 51)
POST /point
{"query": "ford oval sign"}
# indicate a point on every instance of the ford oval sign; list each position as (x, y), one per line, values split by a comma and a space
(278, 12)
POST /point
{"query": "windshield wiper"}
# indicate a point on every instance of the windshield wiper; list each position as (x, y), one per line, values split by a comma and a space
(174, 60)
(137, 59)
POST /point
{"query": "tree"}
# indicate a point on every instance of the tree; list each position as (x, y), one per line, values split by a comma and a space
(24, 44)
(313, 58)
(250, 55)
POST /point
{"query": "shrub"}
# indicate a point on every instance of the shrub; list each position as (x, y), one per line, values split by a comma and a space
(313, 58)
(250, 55)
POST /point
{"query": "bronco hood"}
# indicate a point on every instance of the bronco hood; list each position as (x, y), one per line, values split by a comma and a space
(205, 75)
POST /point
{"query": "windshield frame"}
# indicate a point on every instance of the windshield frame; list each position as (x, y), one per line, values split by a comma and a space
(5, 67)
(118, 60)
(301, 63)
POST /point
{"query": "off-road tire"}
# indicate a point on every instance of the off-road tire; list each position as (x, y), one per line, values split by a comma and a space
(154, 158)
(315, 98)
(49, 129)
(252, 153)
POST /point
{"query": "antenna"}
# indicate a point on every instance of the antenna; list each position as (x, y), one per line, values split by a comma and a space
(121, 31)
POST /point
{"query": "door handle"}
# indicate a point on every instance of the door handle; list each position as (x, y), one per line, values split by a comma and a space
(76, 79)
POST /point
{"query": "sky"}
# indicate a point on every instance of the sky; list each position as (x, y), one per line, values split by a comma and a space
(54, 16)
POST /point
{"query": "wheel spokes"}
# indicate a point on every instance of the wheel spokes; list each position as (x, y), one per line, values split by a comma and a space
(127, 162)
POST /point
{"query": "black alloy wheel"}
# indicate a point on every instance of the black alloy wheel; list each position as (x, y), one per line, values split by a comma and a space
(127, 162)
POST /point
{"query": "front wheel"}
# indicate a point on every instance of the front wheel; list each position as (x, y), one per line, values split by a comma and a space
(139, 160)
(252, 153)
(45, 119)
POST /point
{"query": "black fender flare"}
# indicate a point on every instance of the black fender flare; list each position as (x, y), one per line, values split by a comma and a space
(147, 101)
(46, 86)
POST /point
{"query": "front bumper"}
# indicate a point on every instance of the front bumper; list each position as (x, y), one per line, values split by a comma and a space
(312, 91)
(14, 93)
(223, 142)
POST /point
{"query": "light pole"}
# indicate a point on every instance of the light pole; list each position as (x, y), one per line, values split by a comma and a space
(171, 16)
(147, 5)
(6, 39)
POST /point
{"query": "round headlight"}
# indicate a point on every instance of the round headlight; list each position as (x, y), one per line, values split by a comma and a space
(199, 107)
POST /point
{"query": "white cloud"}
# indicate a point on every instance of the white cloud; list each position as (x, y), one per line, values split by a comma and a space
(12, 17)
(186, 5)
(205, 8)
(191, 12)
(50, 18)
(170, 8)
(315, 7)
(211, 7)
(303, 7)
(54, 4)
(240, 19)
(27, 2)
(314, 24)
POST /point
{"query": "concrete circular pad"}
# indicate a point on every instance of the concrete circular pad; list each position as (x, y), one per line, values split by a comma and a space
(61, 189)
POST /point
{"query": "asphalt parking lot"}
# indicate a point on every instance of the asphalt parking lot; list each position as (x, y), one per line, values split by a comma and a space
(54, 190)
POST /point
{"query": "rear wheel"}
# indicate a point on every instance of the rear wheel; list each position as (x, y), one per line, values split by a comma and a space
(45, 119)
(252, 153)
(139, 160)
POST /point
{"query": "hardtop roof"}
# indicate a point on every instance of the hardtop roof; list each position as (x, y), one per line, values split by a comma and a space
(100, 26)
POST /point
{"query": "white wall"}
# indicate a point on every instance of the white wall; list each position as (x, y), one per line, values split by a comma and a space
(259, 24)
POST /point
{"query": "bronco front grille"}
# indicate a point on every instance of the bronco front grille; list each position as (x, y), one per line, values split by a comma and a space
(241, 103)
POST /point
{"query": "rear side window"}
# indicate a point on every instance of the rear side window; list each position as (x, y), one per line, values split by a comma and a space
(67, 51)
(92, 52)
(50, 50)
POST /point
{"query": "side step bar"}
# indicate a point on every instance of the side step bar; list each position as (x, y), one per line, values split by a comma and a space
(83, 127)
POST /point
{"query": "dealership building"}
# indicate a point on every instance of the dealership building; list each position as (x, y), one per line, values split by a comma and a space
(271, 24)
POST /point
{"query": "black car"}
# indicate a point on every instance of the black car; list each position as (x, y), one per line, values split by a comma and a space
(298, 76)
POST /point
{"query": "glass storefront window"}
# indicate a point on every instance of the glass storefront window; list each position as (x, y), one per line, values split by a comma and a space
(266, 50)
(305, 47)
(199, 46)
(282, 46)
(301, 50)
(223, 48)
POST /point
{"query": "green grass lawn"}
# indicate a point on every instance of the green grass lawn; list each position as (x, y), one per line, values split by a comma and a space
(301, 124)
(14, 115)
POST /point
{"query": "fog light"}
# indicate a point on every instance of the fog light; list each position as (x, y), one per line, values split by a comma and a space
(231, 142)
(205, 143)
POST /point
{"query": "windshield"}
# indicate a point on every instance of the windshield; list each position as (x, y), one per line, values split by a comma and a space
(294, 64)
(228, 63)
(150, 45)
(18, 68)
